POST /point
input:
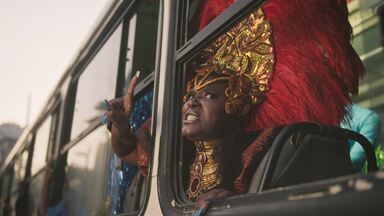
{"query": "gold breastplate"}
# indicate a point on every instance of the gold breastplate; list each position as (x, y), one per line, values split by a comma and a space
(205, 172)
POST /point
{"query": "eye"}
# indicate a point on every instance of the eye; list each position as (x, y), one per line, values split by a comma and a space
(209, 95)
(188, 97)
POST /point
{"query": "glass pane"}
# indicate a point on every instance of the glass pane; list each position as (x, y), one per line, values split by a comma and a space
(367, 24)
(41, 146)
(201, 13)
(97, 83)
(124, 183)
(35, 186)
(6, 183)
(19, 170)
(85, 174)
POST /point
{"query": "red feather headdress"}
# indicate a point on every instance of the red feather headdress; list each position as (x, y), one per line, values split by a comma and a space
(316, 70)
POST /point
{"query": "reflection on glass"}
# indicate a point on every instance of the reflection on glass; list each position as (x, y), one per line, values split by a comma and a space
(86, 170)
(201, 13)
(98, 82)
(120, 180)
(41, 146)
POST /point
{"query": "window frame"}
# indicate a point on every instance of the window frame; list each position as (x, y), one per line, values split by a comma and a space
(170, 147)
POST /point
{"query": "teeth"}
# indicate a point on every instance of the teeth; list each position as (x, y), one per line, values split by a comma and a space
(191, 117)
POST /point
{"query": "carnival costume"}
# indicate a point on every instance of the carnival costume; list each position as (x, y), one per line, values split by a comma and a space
(288, 61)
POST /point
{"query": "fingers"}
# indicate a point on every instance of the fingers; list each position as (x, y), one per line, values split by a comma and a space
(128, 100)
(116, 107)
(204, 200)
(117, 115)
(118, 110)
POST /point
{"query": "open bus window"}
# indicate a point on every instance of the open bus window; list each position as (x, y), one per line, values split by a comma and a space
(187, 60)
(125, 185)
(127, 189)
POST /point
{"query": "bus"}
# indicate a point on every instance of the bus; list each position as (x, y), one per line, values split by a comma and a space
(155, 38)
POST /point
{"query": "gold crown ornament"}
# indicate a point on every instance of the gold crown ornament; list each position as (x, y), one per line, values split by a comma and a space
(244, 56)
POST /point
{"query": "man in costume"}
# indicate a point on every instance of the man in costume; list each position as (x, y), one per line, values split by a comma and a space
(286, 62)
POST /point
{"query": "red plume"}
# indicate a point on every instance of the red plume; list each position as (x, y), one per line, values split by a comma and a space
(316, 71)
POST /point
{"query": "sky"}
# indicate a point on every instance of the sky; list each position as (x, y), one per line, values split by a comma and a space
(38, 41)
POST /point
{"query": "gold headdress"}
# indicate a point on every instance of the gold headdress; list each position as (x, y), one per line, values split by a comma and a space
(244, 56)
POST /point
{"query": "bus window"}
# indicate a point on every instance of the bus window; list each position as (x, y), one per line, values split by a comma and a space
(87, 151)
(181, 152)
(85, 182)
(187, 59)
(20, 167)
(41, 146)
(96, 83)
(39, 157)
(127, 189)
(6, 182)
(19, 187)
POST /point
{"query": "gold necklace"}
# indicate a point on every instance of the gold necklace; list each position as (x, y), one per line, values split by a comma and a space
(205, 173)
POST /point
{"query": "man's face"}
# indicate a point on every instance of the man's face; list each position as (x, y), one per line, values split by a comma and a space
(203, 113)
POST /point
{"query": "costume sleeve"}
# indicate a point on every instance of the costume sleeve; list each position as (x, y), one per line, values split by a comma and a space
(143, 147)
